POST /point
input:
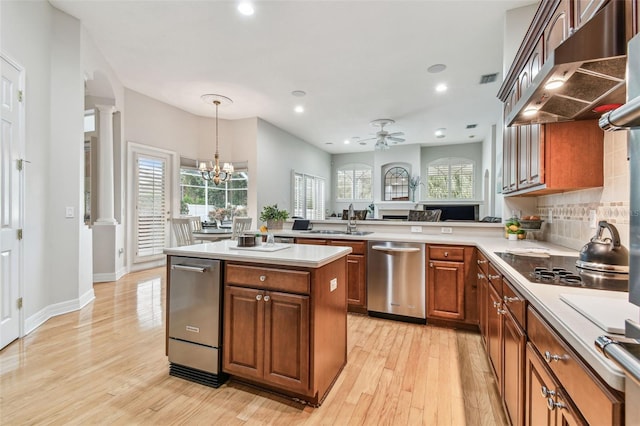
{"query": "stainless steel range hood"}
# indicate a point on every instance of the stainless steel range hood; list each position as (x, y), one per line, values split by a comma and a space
(591, 63)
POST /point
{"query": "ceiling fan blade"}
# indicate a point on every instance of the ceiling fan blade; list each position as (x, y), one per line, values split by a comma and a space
(395, 139)
(396, 134)
(367, 139)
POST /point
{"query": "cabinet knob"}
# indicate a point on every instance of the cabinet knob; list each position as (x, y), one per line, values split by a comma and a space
(546, 392)
(263, 278)
(496, 304)
(258, 297)
(548, 356)
(552, 405)
(431, 264)
(446, 254)
(480, 276)
(266, 298)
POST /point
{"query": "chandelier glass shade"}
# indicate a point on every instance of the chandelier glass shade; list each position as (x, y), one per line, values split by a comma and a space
(211, 171)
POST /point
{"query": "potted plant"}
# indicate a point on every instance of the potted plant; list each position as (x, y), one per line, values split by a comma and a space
(273, 216)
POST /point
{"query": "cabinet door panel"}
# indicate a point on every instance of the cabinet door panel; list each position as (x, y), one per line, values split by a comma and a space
(243, 332)
(357, 281)
(494, 335)
(445, 290)
(557, 30)
(513, 368)
(537, 380)
(483, 305)
(286, 355)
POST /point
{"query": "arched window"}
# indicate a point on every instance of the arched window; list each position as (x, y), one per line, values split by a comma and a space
(450, 179)
(396, 184)
(353, 182)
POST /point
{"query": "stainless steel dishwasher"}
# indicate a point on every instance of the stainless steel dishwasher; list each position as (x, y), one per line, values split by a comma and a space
(395, 280)
(195, 320)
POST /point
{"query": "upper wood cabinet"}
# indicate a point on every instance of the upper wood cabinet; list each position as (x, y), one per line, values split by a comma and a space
(583, 11)
(559, 27)
(632, 11)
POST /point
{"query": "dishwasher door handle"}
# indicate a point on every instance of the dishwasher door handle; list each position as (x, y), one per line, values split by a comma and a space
(396, 249)
(199, 269)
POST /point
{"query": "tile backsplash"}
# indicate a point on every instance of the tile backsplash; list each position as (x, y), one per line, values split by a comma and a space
(570, 211)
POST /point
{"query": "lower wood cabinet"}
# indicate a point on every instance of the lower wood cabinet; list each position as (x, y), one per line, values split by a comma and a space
(356, 270)
(514, 341)
(451, 291)
(285, 328)
(269, 339)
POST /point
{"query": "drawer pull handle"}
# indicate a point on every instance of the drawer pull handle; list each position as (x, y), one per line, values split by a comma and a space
(480, 262)
(549, 357)
(547, 392)
(502, 311)
(552, 405)
(510, 299)
(266, 298)
(480, 276)
(263, 278)
(258, 297)
(493, 277)
(496, 304)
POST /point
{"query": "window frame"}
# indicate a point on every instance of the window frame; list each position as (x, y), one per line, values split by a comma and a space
(389, 195)
(355, 182)
(451, 162)
(304, 185)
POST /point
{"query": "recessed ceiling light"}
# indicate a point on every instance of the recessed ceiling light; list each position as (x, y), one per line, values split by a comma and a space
(441, 87)
(299, 109)
(246, 8)
(436, 68)
(347, 141)
(440, 132)
(299, 93)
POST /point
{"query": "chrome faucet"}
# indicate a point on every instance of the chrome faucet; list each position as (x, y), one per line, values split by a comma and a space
(351, 220)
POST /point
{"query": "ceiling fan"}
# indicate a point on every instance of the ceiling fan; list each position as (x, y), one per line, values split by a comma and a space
(382, 137)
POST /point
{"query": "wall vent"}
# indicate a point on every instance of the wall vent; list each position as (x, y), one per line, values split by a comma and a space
(471, 126)
(488, 78)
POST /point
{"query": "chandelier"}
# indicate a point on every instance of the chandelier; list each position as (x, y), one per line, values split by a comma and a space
(212, 171)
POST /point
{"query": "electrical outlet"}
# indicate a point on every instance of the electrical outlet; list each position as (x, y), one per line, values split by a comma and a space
(69, 212)
(446, 230)
(416, 229)
(333, 284)
(593, 221)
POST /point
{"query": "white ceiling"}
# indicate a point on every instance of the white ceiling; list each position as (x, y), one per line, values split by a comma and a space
(356, 60)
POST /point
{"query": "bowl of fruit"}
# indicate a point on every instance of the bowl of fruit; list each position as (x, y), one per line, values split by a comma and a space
(531, 222)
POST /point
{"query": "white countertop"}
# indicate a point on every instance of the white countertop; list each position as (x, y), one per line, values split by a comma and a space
(576, 329)
(309, 256)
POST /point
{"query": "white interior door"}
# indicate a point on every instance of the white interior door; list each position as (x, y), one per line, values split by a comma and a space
(152, 205)
(10, 214)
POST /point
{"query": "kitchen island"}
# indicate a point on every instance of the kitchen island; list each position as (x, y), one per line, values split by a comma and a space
(284, 314)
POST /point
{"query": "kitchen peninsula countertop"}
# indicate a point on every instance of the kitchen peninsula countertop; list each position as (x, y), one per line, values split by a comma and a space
(576, 329)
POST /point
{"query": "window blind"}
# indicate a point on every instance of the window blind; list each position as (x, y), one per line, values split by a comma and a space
(151, 205)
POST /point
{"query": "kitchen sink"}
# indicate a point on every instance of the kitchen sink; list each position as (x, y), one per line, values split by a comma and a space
(360, 233)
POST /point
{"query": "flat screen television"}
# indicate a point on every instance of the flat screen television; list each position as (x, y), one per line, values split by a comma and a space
(462, 212)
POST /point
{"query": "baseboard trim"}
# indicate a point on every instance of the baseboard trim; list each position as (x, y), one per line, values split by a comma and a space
(105, 277)
(44, 314)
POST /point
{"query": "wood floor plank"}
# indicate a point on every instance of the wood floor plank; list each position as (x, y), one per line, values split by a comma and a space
(105, 364)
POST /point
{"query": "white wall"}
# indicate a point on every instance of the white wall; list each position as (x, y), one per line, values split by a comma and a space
(278, 152)
(516, 24)
(46, 42)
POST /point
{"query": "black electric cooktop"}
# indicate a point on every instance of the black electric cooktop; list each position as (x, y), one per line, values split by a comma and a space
(562, 270)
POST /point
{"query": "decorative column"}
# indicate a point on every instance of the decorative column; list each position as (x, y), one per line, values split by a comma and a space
(105, 168)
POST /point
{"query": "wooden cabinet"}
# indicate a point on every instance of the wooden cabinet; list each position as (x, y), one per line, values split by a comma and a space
(483, 296)
(549, 160)
(285, 328)
(451, 291)
(583, 11)
(514, 339)
(558, 28)
(356, 270)
(546, 404)
(494, 334)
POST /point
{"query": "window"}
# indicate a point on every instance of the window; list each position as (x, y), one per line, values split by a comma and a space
(212, 202)
(151, 205)
(353, 182)
(396, 184)
(308, 196)
(450, 178)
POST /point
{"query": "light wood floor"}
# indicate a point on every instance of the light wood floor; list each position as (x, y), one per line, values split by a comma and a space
(105, 364)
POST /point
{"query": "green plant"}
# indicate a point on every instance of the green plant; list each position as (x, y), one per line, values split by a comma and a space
(273, 213)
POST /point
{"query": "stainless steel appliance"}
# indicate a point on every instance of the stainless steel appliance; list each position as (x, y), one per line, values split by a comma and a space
(627, 354)
(195, 320)
(562, 270)
(396, 280)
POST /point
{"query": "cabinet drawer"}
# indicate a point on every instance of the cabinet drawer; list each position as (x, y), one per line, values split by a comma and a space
(358, 247)
(452, 254)
(268, 278)
(598, 404)
(312, 241)
(495, 278)
(483, 263)
(515, 303)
